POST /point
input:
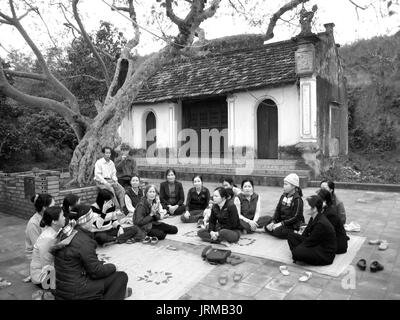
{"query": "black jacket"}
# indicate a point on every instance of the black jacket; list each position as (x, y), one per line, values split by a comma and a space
(291, 216)
(320, 235)
(142, 217)
(225, 218)
(341, 236)
(196, 201)
(77, 266)
(165, 195)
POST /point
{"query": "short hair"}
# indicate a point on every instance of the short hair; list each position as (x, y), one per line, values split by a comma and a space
(105, 148)
(222, 192)
(103, 196)
(198, 176)
(41, 200)
(247, 180)
(146, 190)
(133, 176)
(49, 215)
(228, 179)
(168, 171)
(69, 201)
(330, 184)
(125, 146)
(315, 201)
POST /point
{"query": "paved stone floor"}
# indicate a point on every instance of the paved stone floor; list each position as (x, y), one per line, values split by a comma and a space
(377, 212)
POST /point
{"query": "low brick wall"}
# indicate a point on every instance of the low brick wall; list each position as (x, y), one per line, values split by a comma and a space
(16, 190)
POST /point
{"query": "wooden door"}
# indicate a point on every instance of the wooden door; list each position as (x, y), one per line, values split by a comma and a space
(267, 130)
(150, 124)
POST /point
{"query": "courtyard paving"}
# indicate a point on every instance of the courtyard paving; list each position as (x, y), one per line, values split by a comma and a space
(377, 212)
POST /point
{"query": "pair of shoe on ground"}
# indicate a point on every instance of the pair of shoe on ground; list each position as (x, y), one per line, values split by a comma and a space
(223, 278)
(304, 278)
(383, 244)
(151, 240)
(373, 267)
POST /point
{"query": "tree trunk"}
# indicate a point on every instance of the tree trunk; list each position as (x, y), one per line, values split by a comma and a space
(103, 131)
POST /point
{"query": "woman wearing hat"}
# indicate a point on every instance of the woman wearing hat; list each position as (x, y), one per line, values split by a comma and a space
(317, 244)
(80, 275)
(288, 215)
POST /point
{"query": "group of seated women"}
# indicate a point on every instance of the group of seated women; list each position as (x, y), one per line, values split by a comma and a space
(66, 237)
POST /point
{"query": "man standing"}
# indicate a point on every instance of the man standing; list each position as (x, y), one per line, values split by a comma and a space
(106, 178)
(126, 167)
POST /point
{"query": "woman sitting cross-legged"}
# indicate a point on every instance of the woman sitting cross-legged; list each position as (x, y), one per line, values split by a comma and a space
(171, 194)
(53, 219)
(289, 211)
(248, 204)
(197, 201)
(331, 213)
(228, 184)
(148, 214)
(80, 275)
(317, 244)
(338, 205)
(107, 227)
(224, 223)
(132, 197)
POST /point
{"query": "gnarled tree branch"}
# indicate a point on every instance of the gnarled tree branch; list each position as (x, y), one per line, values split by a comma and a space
(27, 75)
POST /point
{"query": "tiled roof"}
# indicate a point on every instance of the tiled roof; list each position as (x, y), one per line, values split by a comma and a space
(267, 65)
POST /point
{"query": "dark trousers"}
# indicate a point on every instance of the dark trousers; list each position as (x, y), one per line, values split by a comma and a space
(309, 255)
(195, 215)
(224, 235)
(115, 286)
(161, 230)
(262, 222)
(134, 232)
(181, 209)
(281, 232)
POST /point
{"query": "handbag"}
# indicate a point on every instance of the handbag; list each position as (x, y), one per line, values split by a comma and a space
(215, 256)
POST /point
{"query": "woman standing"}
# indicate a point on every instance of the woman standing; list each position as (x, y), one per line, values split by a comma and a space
(288, 215)
(248, 204)
(33, 229)
(224, 223)
(197, 201)
(148, 214)
(317, 244)
(171, 194)
(53, 220)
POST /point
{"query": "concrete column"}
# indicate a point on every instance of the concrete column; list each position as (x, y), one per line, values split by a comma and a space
(308, 109)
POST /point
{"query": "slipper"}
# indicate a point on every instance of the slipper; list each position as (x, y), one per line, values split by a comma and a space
(169, 247)
(384, 245)
(376, 241)
(284, 270)
(237, 276)
(154, 240)
(352, 227)
(27, 279)
(307, 275)
(223, 279)
(146, 240)
(234, 260)
(362, 264)
(375, 266)
(37, 295)
(130, 241)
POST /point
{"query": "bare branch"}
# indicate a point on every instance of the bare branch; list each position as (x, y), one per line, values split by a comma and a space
(6, 18)
(25, 14)
(89, 42)
(5, 21)
(170, 13)
(27, 75)
(84, 75)
(287, 7)
(211, 10)
(14, 14)
(358, 6)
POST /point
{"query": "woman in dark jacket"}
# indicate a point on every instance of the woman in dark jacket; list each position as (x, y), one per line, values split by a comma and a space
(331, 213)
(148, 214)
(80, 275)
(197, 201)
(288, 215)
(317, 244)
(171, 194)
(224, 223)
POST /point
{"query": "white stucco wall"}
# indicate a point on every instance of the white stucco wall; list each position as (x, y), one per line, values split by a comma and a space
(133, 127)
(243, 122)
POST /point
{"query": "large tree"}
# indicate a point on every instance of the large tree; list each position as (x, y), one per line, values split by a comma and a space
(127, 80)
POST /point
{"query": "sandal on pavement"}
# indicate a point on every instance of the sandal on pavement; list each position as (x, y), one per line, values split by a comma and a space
(307, 275)
(375, 266)
(352, 227)
(284, 270)
(384, 245)
(362, 264)
(237, 276)
(169, 247)
(130, 241)
(376, 241)
(146, 240)
(223, 279)
(234, 260)
(154, 240)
